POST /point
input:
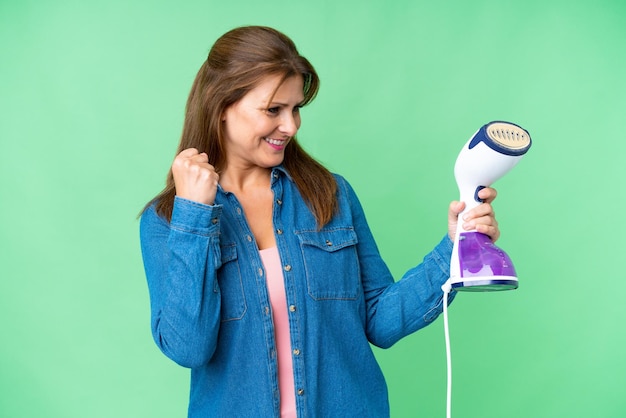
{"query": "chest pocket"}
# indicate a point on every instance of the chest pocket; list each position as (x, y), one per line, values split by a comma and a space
(233, 302)
(331, 263)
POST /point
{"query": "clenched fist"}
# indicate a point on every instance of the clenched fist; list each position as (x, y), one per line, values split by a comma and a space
(195, 179)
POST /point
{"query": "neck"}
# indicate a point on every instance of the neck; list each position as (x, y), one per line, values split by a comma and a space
(241, 179)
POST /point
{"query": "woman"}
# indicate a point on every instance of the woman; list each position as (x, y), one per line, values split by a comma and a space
(264, 277)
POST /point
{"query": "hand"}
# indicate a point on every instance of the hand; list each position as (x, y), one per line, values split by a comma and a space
(194, 178)
(482, 218)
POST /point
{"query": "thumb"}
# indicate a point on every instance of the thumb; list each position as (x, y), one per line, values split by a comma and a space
(453, 217)
(454, 210)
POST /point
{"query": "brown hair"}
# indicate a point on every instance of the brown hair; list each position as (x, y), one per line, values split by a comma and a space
(238, 61)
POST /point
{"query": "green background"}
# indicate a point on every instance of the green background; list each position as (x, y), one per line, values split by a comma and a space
(91, 104)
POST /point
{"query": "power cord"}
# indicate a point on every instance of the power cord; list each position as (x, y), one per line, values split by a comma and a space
(447, 287)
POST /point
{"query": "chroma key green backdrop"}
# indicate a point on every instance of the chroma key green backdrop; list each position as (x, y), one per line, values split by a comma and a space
(91, 105)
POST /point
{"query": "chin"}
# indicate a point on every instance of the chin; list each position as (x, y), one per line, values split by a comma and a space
(273, 162)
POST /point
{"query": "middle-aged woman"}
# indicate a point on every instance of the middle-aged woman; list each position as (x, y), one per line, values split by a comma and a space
(263, 274)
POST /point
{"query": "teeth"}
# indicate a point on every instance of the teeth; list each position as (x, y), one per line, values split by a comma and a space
(274, 141)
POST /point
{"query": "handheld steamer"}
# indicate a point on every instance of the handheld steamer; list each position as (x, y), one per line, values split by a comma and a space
(477, 265)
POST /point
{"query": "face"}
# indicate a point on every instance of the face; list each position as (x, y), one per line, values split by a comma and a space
(260, 125)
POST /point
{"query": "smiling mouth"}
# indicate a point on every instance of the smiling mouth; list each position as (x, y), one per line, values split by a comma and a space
(276, 142)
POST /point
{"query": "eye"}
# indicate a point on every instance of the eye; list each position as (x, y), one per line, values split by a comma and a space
(296, 109)
(273, 110)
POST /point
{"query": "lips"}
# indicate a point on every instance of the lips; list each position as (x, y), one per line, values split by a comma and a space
(277, 144)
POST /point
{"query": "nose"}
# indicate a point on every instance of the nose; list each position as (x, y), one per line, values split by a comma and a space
(289, 124)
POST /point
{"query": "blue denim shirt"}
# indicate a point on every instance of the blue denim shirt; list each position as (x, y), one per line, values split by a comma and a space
(211, 311)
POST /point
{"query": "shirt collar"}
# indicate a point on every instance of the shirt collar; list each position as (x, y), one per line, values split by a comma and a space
(278, 171)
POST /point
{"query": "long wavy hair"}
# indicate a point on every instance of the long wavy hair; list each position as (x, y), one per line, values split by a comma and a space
(238, 61)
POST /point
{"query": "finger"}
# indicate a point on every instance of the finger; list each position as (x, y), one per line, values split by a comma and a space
(454, 209)
(486, 226)
(491, 231)
(200, 158)
(484, 209)
(488, 194)
(198, 161)
(478, 218)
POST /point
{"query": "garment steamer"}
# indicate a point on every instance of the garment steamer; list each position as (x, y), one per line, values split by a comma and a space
(477, 265)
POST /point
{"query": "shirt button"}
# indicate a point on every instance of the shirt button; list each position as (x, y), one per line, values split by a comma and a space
(329, 243)
(280, 202)
(279, 231)
(249, 238)
(292, 308)
(260, 272)
(287, 267)
(300, 392)
(238, 211)
(267, 310)
(214, 221)
(296, 352)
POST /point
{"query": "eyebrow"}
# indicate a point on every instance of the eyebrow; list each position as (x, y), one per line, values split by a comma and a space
(284, 104)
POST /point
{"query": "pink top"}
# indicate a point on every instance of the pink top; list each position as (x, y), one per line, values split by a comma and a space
(278, 300)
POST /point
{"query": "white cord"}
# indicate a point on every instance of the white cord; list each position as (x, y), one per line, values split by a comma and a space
(446, 290)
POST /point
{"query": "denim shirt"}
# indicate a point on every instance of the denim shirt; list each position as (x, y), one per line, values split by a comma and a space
(210, 308)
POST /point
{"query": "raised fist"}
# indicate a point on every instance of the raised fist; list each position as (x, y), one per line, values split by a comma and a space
(195, 179)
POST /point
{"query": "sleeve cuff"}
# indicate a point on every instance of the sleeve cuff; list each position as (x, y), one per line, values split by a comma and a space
(195, 217)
